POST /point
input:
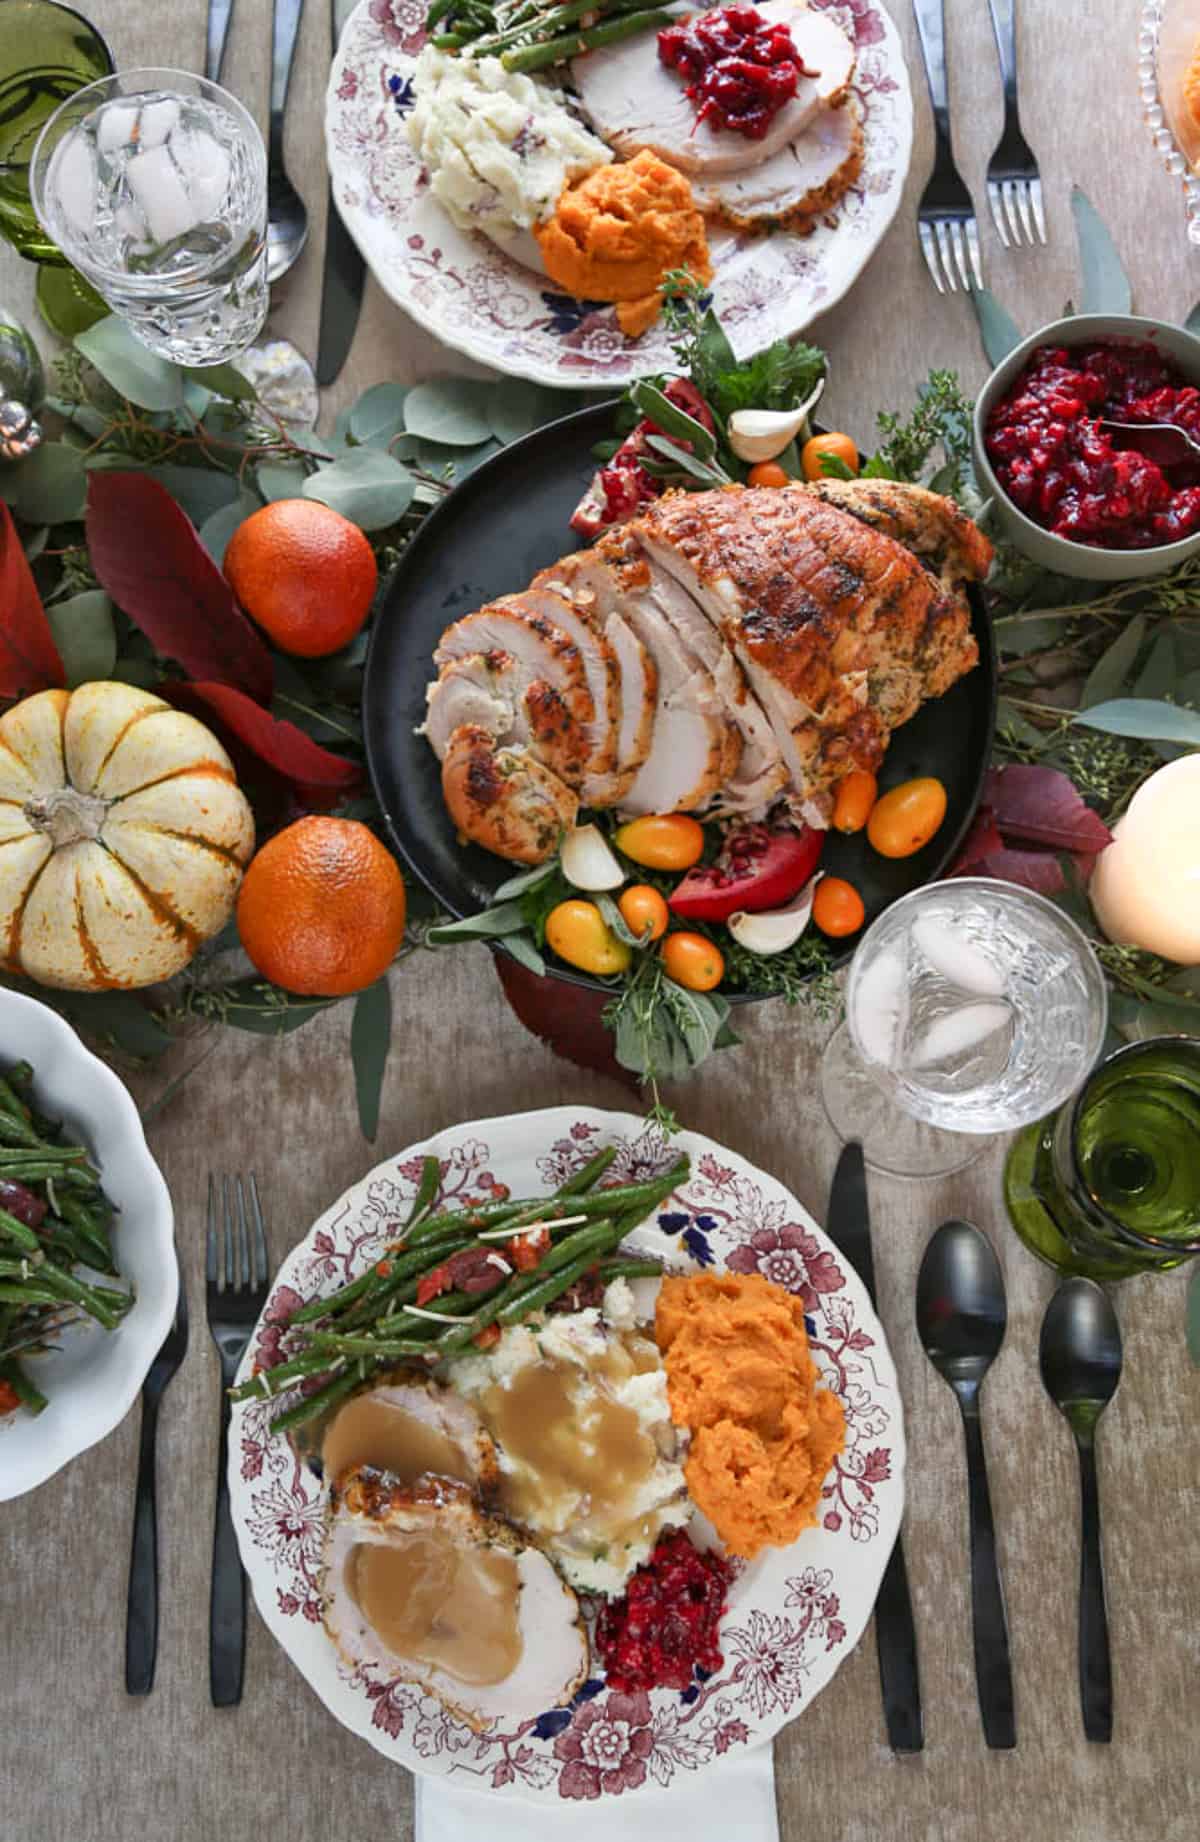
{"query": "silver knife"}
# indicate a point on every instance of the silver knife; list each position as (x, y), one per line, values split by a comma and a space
(849, 1228)
(344, 272)
(220, 12)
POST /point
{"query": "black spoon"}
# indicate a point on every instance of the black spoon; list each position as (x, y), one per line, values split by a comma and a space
(1080, 1356)
(961, 1318)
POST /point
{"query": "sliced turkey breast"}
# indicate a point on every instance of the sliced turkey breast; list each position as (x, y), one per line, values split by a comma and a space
(505, 799)
(602, 674)
(550, 676)
(933, 527)
(635, 101)
(590, 587)
(797, 184)
(490, 691)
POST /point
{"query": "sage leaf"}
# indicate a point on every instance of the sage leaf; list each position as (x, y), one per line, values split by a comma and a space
(516, 407)
(1114, 666)
(523, 881)
(281, 479)
(1105, 284)
(370, 1040)
(366, 486)
(85, 635)
(452, 410)
(492, 924)
(686, 463)
(224, 381)
(525, 954)
(1145, 718)
(201, 491)
(122, 360)
(998, 330)
(378, 415)
(672, 420)
(48, 487)
(220, 525)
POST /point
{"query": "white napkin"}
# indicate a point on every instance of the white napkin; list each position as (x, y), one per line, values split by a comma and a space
(734, 1798)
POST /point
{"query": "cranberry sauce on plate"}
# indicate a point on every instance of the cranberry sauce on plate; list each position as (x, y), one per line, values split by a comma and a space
(1065, 472)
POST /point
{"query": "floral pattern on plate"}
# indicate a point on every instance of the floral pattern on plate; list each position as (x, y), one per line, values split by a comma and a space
(793, 1613)
(472, 296)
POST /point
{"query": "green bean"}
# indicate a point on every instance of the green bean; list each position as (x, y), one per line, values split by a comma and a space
(384, 1349)
(560, 50)
(310, 1405)
(19, 1232)
(10, 1101)
(487, 1215)
(548, 22)
(437, 10)
(621, 1266)
(274, 1380)
(30, 1397)
(15, 1129)
(22, 1269)
(511, 1302)
(450, 41)
(90, 1297)
(27, 1293)
(589, 1174)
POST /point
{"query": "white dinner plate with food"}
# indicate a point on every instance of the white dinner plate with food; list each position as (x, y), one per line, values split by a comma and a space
(91, 1378)
(553, 1728)
(481, 299)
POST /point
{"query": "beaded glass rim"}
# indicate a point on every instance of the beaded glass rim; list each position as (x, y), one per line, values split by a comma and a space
(1155, 115)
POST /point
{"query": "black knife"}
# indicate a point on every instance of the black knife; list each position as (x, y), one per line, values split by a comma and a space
(343, 277)
(849, 1228)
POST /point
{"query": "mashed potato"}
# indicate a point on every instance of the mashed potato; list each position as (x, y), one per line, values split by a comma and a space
(498, 147)
(589, 1459)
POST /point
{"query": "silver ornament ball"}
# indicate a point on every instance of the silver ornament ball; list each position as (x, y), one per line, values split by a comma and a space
(20, 433)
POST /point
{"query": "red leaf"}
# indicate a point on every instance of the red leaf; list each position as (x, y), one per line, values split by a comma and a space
(982, 838)
(1036, 870)
(568, 1018)
(29, 658)
(1040, 805)
(273, 740)
(146, 553)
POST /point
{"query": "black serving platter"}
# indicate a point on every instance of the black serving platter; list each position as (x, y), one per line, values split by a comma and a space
(489, 537)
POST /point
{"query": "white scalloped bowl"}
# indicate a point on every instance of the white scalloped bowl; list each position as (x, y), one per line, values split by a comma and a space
(92, 1381)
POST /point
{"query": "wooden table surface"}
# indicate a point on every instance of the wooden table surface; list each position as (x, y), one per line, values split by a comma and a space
(79, 1760)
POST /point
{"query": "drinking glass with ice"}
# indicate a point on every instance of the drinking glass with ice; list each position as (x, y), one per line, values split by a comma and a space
(972, 1007)
(153, 183)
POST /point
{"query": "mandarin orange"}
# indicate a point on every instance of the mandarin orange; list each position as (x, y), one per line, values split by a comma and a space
(304, 573)
(321, 908)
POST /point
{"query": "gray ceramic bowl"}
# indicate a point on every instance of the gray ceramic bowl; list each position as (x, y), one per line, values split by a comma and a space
(1042, 546)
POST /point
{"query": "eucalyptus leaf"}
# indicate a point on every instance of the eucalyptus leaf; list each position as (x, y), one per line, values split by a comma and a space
(312, 443)
(165, 1095)
(130, 669)
(1105, 284)
(434, 458)
(48, 487)
(367, 486)
(281, 479)
(219, 526)
(1017, 635)
(201, 491)
(85, 635)
(92, 421)
(1192, 323)
(1009, 721)
(515, 407)
(196, 398)
(1160, 674)
(492, 924)
(525, 954)
(1115, 665)
(451, 410)
(378, 415)
(130, 367)
(370, 1040)
(35, 542)
(223, 381)
(998, 330)
(247, 1008)
(1146, 718)
(116, 1016)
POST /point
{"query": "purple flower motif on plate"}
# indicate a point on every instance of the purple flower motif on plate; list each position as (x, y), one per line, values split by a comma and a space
(789, 1257)
(606, 1747)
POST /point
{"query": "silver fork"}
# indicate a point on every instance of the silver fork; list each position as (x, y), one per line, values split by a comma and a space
(1014, 183)
(239, 1278)
(946, 221)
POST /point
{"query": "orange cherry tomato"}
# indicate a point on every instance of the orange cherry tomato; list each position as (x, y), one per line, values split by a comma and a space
(839, 445)
(578, 933)
(906, 818)
(662, 841)
(837, 907)
(768, 473)
(644, 911)
(693, 961)
(856, 795)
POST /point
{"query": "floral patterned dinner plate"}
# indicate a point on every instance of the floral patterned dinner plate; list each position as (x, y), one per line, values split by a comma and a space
(793, 1614)
(464, 290)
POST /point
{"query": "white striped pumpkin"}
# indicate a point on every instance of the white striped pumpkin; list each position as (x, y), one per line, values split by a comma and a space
(123, 837)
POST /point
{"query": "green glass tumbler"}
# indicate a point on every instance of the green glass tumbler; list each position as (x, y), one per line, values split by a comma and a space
(1110, 1185)
(47, 53)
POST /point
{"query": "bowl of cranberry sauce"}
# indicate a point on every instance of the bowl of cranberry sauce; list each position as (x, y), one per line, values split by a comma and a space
(1078, 497)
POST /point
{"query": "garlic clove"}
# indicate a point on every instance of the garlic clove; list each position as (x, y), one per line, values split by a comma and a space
(761, 434)
(776, 929)
(587, 861)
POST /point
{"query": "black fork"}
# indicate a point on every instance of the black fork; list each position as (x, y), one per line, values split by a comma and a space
(141, 1617)
(238, 1283)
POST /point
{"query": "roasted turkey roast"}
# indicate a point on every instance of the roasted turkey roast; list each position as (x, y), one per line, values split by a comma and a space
(724, 652)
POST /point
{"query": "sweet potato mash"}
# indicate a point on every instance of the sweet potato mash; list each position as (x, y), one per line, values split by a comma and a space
(740, 1378)
(617, 232)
